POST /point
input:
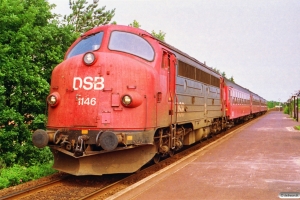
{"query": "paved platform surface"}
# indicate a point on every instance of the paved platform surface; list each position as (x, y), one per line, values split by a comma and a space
(258, 161)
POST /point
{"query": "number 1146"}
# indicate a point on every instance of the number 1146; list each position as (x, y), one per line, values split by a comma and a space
(87, 101)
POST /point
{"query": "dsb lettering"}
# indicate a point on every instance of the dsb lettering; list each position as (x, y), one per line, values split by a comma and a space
(88, 83)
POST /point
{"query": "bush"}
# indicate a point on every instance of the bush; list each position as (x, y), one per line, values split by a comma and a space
(286, 110)
(17, 174)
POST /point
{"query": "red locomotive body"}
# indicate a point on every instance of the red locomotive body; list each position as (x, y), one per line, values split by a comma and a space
(121, 98)
(102, 96)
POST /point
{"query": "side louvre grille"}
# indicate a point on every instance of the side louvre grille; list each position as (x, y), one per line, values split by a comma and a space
(194, 73)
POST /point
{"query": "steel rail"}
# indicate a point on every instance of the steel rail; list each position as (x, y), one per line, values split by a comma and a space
(128, 182)
(33, 189)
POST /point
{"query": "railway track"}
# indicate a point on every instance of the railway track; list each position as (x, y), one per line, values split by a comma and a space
(34, 189)
(128, 182)
(102, 187)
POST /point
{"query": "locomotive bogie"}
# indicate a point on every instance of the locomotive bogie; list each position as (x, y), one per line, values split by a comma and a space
(201, 133)
(196, 135)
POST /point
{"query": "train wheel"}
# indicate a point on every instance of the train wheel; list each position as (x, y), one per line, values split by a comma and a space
(156, 158)
(138, 170)
(171, 153)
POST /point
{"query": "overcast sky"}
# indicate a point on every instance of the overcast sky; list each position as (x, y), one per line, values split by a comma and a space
(257, 42)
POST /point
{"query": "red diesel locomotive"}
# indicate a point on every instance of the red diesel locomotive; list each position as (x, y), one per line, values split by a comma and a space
(121, 98)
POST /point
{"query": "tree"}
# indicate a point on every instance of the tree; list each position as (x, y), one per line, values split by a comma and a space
(31, 44)
(224, 74)
(160, 35)
(216, 70)
(135, 24)
(85, 17)
(231, 79)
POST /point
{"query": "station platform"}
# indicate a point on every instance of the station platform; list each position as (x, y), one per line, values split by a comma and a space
(258, 161)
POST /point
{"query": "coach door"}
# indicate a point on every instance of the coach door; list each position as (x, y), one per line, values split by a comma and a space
(230, 101)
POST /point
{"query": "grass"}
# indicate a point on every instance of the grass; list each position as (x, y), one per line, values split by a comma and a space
(297, 127)
(17, 174)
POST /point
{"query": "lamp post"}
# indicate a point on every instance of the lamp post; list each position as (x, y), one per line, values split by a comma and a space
(290, 106)
(294, 97)
(297, 111)
(287, 104)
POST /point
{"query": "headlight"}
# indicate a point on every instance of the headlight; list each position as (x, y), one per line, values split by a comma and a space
(126, 100)
(89, 58)
(53, 99)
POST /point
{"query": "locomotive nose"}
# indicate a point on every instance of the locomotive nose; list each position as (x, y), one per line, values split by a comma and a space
(40, 138)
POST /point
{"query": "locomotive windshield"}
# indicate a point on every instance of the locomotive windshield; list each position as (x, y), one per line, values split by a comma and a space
(89, 43)
(131, 43)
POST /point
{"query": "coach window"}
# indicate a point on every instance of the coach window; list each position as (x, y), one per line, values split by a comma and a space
(132, 44)
(88, 43)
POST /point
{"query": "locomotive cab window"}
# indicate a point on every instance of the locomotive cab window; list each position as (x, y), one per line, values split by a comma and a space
(89, 43)
(132, 44)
